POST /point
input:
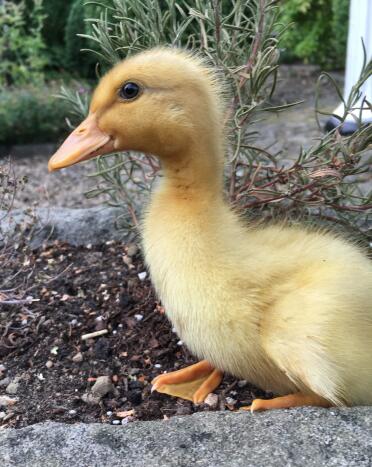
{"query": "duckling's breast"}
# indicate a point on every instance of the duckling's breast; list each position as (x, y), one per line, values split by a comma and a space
(213, 309)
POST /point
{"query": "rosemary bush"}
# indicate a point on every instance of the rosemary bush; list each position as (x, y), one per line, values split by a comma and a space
(241, 39)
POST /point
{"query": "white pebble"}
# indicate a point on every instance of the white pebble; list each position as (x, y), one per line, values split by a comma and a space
(180, 343)
(120, 325)
(109, 413)
(40, 376)
(54, 350)
(72, 412)
(3, 368)
(157, 365)
(49, 364)
(78, 358)
(116, 422)
(142, 275)
(139, 317)
(73, 322)
(211, 400)
(230, 401)
(114, 332)
(2, 415)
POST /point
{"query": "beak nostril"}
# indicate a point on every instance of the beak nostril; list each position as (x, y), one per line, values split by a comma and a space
(81, 131)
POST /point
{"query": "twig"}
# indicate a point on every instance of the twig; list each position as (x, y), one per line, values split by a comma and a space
(90, 335)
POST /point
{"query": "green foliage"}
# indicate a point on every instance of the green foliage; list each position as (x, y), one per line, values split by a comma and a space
(31, 115)
(319, 31)
(75, 25)
(22, 50)
(56, 13)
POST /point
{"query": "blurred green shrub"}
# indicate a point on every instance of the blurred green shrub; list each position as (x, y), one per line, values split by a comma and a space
(319, 32)
(75, 61)
(56, 14)
(31, 115)
(22, 49)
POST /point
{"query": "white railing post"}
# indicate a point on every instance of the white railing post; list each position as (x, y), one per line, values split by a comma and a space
(360, 28)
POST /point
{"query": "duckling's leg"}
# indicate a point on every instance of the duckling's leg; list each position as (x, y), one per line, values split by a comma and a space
(193, 383)
(285, 402)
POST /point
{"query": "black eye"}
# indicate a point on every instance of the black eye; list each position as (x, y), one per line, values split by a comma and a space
(129, 91)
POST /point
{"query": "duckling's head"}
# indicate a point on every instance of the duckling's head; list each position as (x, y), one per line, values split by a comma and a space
(162, 102)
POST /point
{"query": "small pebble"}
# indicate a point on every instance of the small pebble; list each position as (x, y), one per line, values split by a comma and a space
(116, 422)
(132, 249)
(180, 343)
(72, 412)
(90, 399)
(102, 386)
(157, 365)
(242, 383)
(142, 275)
(2, 415)
(77, 358)
(230, 401)
(12, 387)
(4, 382)
(109, 413)
(40, 377)
(2, 368)
(73, 322)
(139, 317)
(211, 400)
(49, 364)
(5, 401)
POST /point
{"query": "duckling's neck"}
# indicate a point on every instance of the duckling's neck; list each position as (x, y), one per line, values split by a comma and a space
(195, 173)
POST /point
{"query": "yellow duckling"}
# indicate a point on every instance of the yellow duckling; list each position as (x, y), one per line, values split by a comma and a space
(285, 308)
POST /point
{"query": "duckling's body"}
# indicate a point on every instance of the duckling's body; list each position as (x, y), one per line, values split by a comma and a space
(285, 308)
(282, 307)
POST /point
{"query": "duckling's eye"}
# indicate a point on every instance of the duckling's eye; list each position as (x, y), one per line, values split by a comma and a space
(129, 91)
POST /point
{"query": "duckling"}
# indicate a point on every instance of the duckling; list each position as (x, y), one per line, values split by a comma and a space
(288, 309)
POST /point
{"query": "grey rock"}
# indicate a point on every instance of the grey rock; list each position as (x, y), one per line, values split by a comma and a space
(295, 438)
(102, 386)
(77, 358)
(90, 399)
(4, 382)
(74, 226)
(12, 387)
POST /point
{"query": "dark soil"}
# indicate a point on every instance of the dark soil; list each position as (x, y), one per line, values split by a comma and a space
(82, 290)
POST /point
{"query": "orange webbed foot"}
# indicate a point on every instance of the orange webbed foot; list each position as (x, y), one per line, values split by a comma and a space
(193, 383)
(285, 402)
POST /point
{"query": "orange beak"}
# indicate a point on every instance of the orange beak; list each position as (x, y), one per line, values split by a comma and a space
(85, 142)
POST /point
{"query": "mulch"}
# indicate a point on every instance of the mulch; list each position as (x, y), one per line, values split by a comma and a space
(71, 291)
